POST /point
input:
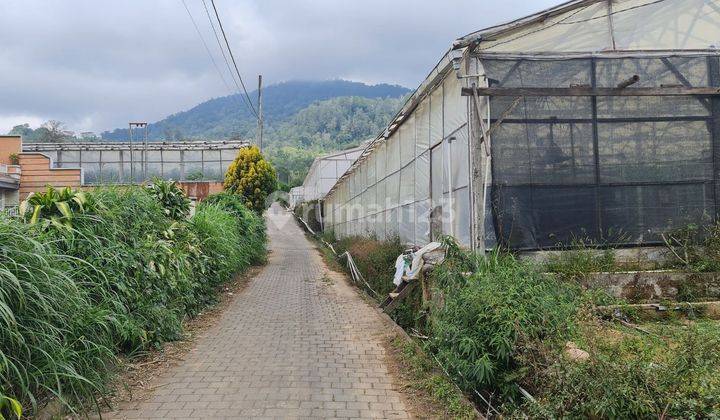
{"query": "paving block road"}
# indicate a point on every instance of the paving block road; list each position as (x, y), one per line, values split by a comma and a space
(297, 342)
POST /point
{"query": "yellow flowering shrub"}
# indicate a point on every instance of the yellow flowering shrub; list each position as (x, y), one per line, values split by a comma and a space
(252, 177)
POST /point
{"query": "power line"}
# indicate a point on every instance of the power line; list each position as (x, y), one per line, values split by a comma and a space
(227, 63)
(212, 58)
(232, 56)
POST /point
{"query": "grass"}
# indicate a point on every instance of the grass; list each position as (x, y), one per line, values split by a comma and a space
(429, 384)
(121, 278)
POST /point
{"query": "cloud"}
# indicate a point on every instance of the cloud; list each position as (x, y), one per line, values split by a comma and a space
(98, 64)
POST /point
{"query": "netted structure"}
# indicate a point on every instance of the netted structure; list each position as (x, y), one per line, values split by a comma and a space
(595, 120)
(124, 162)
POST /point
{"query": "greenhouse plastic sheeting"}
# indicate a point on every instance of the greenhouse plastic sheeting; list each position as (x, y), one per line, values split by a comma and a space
(613, 170)
(400, 180)
(642, 25)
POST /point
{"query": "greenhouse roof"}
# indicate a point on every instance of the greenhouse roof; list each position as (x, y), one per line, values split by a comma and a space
(605, 26)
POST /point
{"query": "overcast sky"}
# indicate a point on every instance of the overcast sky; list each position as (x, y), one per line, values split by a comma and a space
(97, 64)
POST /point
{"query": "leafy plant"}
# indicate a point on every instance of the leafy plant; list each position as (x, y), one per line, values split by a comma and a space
(251, 177)
(9, 407)
(695, 247)
(171, 197)
(56, 208)
(14, 158)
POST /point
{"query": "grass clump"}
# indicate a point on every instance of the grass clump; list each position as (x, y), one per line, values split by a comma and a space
(695, 247)
(121, 278)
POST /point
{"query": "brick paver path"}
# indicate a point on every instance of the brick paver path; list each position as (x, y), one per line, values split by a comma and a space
(298, 342)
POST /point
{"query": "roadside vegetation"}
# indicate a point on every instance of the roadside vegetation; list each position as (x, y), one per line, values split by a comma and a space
(526, 337)
(85, 276)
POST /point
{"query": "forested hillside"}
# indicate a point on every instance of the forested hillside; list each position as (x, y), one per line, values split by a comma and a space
(228, 116)
(302, 121)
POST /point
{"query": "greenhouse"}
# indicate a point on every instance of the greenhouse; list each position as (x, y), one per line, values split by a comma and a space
(325, 171)
(125, 162)
(593, 120)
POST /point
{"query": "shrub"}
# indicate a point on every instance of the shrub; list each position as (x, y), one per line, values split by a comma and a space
(172, 198)
(376, 261)
(498, 322)
(673, 374)
(251, 177)
(506, 325)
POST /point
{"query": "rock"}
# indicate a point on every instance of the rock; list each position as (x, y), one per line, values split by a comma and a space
(573, 353)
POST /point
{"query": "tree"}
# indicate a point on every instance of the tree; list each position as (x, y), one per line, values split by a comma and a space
(52, 132)
(252, 177)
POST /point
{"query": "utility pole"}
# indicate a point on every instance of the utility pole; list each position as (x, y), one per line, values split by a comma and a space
(260, 114)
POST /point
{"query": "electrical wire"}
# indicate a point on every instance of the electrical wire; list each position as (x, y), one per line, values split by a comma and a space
(222, 50)
(212, 58)
(232, 57)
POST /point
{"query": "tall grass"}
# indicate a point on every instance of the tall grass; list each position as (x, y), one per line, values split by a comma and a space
(53, 340)
(123, 278)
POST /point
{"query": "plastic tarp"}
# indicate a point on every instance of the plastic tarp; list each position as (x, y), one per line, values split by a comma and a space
(455, 106)
(407, 141)
(422, 127)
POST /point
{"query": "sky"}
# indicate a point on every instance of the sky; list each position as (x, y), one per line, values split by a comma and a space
(97, 64)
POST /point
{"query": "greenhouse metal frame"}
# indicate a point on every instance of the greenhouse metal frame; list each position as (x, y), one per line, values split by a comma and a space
(592, 121)
(124, 162)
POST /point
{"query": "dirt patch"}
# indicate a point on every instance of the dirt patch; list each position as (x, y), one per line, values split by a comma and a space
(138, 376)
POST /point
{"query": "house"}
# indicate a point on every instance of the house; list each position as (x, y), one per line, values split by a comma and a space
(595, 120)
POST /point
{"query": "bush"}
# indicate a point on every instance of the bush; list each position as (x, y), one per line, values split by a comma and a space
(506, 325)
(121, 279)
(251, 177)
(52, 336)
(497, 322)
(171, 197)
(376, 261)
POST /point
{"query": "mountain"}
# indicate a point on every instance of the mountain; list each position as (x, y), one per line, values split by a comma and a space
(227, 116)
(302, 121)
